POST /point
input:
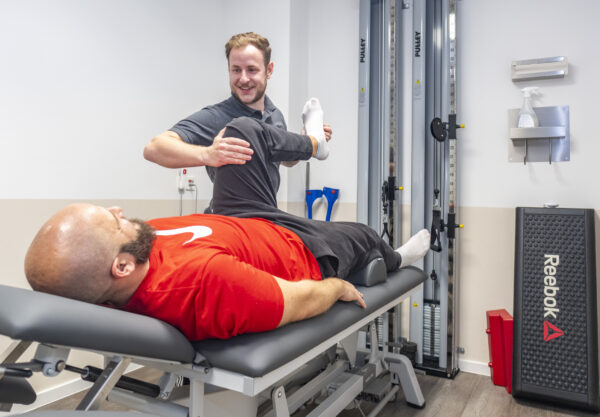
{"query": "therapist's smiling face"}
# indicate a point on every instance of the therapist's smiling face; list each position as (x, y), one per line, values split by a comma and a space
(248, 76)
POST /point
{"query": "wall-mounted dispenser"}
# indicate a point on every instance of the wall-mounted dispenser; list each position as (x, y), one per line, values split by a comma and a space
(540, 68)
(549, 142)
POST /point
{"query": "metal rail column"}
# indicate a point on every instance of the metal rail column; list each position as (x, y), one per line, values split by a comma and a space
(412, 67)
(364, 89)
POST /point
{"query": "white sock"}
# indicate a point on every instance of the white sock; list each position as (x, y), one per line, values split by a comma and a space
(416, 247)
(312, 117)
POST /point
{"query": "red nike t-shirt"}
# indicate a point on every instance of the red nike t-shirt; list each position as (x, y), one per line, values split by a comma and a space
(212, 276)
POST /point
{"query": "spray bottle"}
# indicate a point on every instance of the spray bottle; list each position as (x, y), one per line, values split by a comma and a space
(527, 117)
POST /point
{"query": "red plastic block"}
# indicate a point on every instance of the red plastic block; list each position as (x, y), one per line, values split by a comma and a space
(507, 327)
(496, 346)
(500, 336)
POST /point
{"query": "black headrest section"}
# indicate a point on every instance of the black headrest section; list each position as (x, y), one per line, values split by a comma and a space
(38, 317)
(372, 274)
(15, 390)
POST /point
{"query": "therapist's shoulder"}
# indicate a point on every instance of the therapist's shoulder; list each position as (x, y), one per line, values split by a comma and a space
(212, 112)
(205, 122)
(278, 120)
(221, 106)
(226, 110)
(274, 116)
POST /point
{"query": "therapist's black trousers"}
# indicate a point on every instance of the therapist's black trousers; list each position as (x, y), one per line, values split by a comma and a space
(250, 190)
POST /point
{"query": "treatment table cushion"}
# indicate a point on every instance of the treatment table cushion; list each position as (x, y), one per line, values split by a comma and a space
(259, 353)
(34, 316)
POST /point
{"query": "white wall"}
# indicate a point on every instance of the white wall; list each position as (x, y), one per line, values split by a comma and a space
(333, 78)
(324, 37)
(298, 90)
(87, 84)
(491, 34)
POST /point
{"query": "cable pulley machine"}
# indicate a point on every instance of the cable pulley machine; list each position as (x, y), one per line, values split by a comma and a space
(388, 196)
(441, 131)
(440, 297)
(407, 80)
(444, 134)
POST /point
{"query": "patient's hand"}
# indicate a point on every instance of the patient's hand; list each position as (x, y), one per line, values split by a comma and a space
(350, 293)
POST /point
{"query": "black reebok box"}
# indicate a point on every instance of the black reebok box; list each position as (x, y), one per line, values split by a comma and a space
(555, 351)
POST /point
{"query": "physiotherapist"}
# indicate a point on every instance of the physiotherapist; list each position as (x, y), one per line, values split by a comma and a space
(198, 140)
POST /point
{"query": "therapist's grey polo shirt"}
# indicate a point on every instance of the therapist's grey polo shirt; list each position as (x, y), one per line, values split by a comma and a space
(201, 127)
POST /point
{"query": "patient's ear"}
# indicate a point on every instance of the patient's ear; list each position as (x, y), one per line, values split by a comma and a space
(123, 265)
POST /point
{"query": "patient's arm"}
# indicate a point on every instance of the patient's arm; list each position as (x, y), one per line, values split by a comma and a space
(307, 298)
(170, 151)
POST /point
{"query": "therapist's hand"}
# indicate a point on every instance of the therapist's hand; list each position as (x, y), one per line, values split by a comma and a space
(226, 151)
(326, 128)
(328, 131)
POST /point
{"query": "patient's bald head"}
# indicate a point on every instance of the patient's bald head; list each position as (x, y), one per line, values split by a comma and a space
(83, 250)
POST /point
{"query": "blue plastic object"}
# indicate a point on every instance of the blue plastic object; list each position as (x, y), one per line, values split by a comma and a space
(331, 194)
(311, 196)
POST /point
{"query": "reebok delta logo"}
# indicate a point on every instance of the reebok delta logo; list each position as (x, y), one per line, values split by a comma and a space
(551, 331)
(550, 304)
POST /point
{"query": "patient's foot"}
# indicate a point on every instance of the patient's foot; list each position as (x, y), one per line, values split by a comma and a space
(416, 247)
(312, 117)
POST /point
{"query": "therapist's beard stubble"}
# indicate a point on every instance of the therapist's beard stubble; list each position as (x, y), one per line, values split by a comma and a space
(260, 92)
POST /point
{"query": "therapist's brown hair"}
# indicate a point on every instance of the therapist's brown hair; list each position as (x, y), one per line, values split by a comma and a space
(242, 40)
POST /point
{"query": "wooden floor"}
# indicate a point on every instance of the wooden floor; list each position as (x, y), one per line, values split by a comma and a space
(468, 395)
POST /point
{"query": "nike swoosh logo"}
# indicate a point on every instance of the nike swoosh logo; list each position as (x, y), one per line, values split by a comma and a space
(197, 231)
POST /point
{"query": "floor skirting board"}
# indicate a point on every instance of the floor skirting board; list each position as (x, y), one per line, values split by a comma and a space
(474, 367)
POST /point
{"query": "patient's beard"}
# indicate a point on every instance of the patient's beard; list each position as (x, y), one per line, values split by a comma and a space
(142, 245)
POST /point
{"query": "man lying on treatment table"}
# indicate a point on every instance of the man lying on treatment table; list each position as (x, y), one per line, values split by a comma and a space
(248, 268)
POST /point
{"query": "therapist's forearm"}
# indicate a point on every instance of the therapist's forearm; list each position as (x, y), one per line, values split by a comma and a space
(170, 151)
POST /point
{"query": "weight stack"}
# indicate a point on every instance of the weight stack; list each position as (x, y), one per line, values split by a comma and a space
(555, 350)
